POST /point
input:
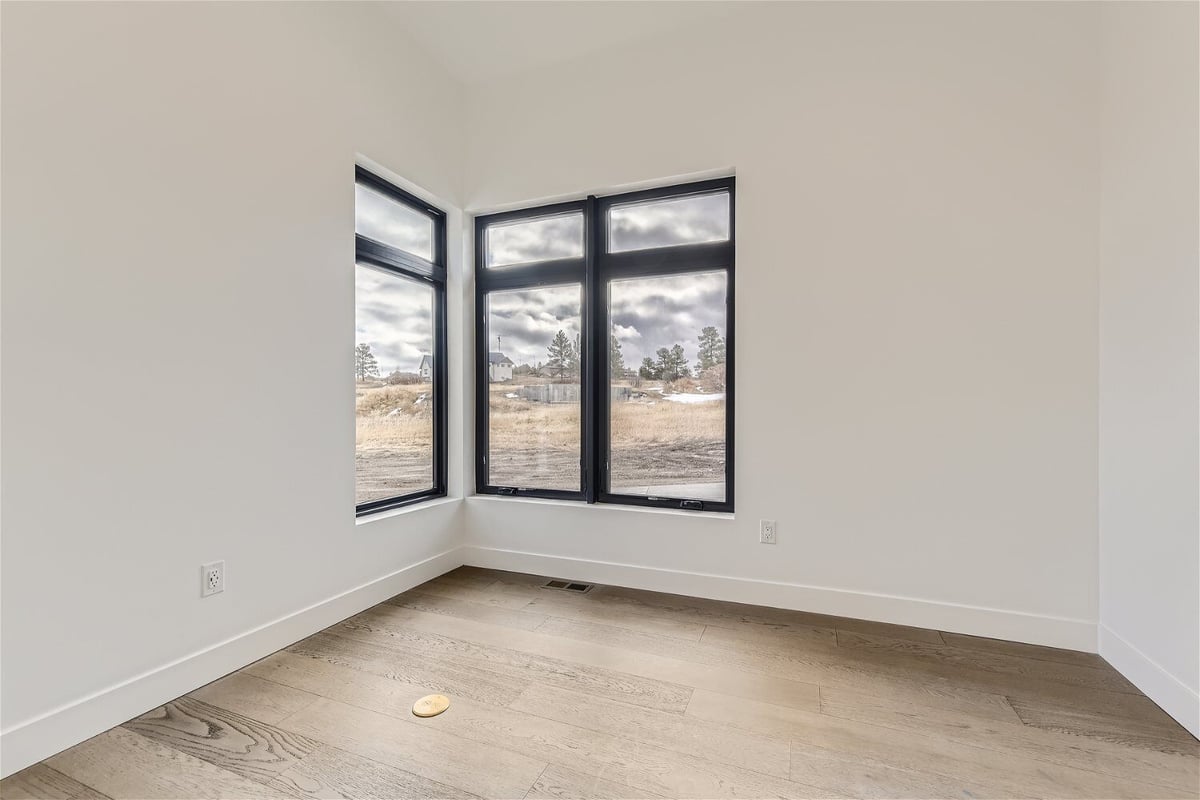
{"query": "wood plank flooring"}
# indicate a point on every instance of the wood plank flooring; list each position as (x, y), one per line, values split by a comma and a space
(620, 693)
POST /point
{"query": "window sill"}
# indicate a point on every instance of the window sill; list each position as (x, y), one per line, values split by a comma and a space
(409, 509)
(617, 507)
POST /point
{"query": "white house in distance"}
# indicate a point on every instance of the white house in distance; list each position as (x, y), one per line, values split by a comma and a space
(426, 368)
(500, 368)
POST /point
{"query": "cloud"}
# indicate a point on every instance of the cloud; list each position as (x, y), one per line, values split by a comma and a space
(625, 333)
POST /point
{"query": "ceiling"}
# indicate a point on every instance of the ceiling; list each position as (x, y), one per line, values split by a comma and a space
(481, 41)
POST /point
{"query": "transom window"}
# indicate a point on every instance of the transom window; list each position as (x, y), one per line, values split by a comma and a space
(400, 342)
(605, 349)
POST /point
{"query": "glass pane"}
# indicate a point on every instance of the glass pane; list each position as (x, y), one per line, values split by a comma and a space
(528, 241)
(694, 219)
(390, 222)
(533, 388)
(393, 382)
(667, 383)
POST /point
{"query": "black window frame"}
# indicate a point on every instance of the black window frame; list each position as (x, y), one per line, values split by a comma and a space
(594, 271)
(432, 273)
(527, 275)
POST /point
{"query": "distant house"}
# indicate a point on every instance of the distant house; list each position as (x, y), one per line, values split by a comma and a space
(500, 368)
(426, 368)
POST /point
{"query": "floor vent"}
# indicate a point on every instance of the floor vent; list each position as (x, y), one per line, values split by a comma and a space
(569, 586)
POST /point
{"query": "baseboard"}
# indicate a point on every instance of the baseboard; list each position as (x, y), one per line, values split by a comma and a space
(1171, 694)
(30, 741)
(1074, 634)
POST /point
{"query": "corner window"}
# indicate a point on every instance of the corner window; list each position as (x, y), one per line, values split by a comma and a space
(400, 342)
(605, 349)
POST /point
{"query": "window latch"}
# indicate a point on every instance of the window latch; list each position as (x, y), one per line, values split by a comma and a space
(506, 490)
(691, 505)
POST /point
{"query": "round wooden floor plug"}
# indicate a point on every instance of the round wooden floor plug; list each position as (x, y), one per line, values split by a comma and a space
(431, 705)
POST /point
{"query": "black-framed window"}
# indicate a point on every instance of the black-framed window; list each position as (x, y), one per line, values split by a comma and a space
(604, 349)
(400, 346)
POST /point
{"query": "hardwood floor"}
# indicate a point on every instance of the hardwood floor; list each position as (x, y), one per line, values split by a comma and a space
(624, 693)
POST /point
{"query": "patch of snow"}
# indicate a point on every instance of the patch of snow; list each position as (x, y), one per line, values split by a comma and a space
(512, 396)
(394, 412)
(693, 398)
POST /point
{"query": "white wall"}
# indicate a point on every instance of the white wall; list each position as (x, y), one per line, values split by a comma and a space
(177, 334)
(917, 194)
(1149, 383)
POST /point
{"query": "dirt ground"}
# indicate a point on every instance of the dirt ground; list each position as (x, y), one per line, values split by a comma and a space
(646, 464)
(381, 473)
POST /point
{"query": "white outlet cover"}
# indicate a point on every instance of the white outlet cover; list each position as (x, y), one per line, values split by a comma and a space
(212, 578)
(766, 531)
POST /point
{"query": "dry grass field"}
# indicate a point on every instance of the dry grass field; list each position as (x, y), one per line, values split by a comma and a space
(393, 440)
(665, 434)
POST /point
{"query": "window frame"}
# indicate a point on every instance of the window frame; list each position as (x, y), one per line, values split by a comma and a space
(403, 264)
(527, 275)
(655, 262)
(594, 272)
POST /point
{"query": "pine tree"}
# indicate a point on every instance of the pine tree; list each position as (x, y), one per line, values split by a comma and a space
(662, 364)
(616, 361)
(712, 349)
(679, 364)
(560, 356)
(573, 361)
(649, 370)
(365, 365)
(671, 365)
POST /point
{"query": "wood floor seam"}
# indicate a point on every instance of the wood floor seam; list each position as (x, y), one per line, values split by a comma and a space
(535, 782)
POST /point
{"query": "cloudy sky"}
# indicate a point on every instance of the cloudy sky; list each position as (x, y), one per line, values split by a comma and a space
(395, 314)
(527, 319)
(649, 313)
(384, 220)
(660, 223)
(535, 240)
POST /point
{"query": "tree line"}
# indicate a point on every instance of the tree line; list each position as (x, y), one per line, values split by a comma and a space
(563, 360)
(670, 363)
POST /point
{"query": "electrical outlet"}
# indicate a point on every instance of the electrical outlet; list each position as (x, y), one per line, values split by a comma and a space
(766, 531)
(212, 578)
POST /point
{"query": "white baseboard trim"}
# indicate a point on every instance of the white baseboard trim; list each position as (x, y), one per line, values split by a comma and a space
(29, 742)
(1171, 694)
(1074, 634)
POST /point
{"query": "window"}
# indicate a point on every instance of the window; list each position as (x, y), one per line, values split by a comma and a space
(605, 349)
(400, 340)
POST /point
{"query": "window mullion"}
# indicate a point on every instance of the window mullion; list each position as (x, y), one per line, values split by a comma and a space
(594, 325)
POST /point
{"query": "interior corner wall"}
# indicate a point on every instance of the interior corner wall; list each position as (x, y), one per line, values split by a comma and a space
(916, 304)
(1149, 352)
(178, 317)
